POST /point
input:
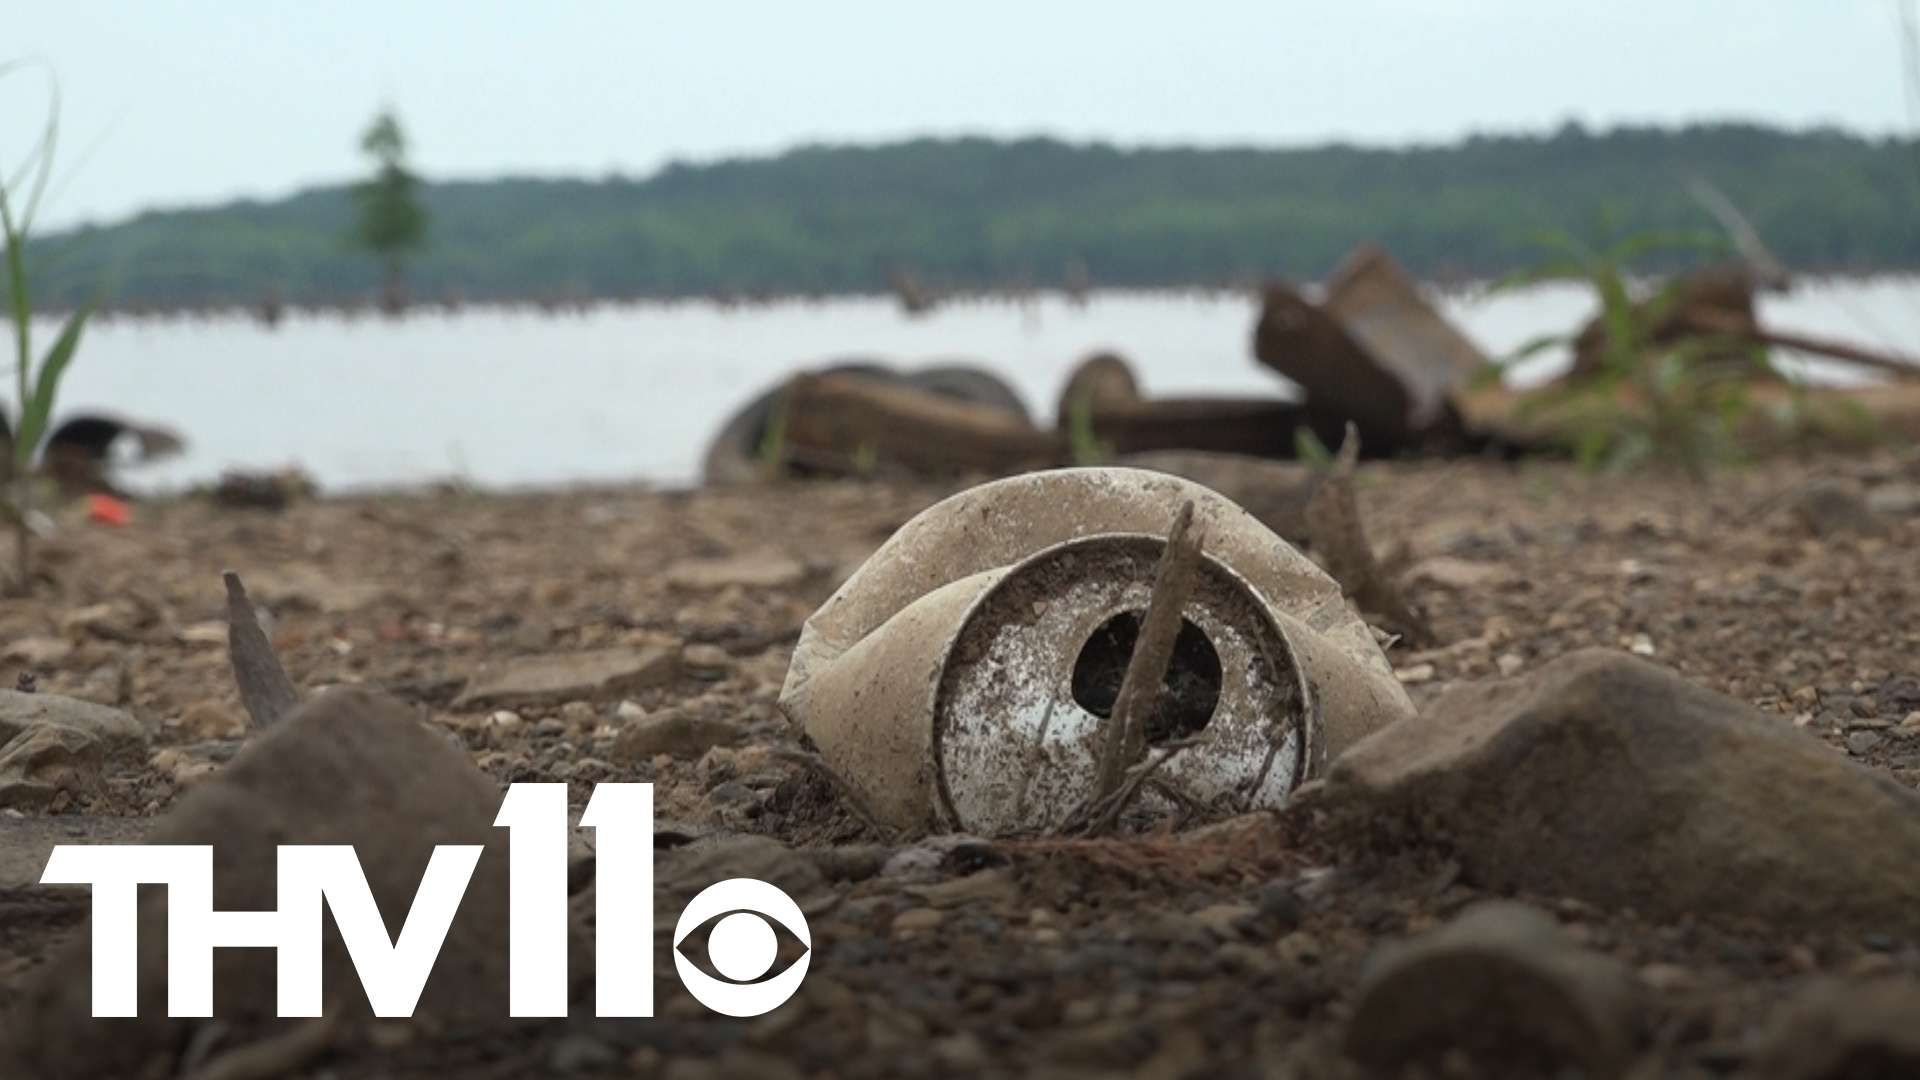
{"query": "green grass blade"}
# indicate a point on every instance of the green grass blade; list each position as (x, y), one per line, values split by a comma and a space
(33, 420)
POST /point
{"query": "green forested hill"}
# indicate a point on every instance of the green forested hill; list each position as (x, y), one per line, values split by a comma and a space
(978, 213)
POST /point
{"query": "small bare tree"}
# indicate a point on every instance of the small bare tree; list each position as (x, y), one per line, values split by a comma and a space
(392, 221)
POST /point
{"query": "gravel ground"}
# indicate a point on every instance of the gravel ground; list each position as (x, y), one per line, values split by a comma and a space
(1235, 950)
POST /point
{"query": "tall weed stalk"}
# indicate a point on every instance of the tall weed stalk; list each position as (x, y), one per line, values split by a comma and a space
(36, 384)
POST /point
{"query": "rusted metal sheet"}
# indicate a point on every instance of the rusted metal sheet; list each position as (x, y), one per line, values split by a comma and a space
(845, 423)
(1382, 310)
(1102, 398)
(1374, 352)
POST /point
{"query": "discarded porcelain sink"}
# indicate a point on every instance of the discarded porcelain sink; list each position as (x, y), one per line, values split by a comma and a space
(960, 680)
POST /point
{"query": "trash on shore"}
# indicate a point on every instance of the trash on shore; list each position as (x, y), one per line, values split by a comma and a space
(754, 444)
(963, 679)
(82, 452)
(839, 422)
(1102, 414)
(1374, 353)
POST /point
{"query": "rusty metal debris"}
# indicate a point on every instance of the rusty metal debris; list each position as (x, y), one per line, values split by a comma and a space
(780, 429)
(1375, 353)
(965, 679)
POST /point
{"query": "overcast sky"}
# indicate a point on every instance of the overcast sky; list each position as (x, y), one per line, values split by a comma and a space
(199, 101)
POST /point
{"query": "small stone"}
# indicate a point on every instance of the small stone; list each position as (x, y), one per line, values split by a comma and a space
(705, 661)
(1509, 664)
(1862, 743)
(1225, 920)
(574, 1052)
(628, 712)
(670, 731)
(112, 621)
(1080, 1012)
(1898, 695)
(1666, 978)
(210, 634)
(1642, 645)
(962, 1053)
(1460, 575)
(1501, 985)
(1418, 673)
(40, 652)
(916, 922)
(390, 1036)
(210, 720)
(1837, 1030)
(505, 721)
(1894, 500)
(682, 872)
(121, 737)
(744, 571)
(1833, 508)
(550, 679)
(1298, 947)
(577, 714)
(42, 763)
(732, 792)
(994, 886)
(554, 593)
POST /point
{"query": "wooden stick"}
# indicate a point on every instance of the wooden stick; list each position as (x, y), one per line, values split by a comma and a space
(1891, 363)
(264, 687)
(1152, 652)
(1340, 540)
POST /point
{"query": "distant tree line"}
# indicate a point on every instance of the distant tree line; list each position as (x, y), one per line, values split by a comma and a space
(980, 214)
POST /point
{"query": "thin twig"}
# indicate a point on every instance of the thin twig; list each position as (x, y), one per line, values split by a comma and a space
(1126, 736)
(1333, 526)
(1103, 814)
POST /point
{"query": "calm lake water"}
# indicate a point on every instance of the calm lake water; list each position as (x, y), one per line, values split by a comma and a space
(507, 399)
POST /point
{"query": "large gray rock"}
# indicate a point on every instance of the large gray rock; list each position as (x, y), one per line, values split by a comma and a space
(350, 767)
(1603, 777)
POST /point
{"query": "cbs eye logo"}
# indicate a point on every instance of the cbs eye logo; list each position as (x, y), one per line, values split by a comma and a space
(742, 947)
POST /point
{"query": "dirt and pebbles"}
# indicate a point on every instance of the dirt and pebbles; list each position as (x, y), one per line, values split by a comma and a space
(1236, 950)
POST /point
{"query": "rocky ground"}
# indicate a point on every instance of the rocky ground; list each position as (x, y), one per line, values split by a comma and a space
(1262, 946)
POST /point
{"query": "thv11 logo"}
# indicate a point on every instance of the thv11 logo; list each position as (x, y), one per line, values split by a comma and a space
(742, 945)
